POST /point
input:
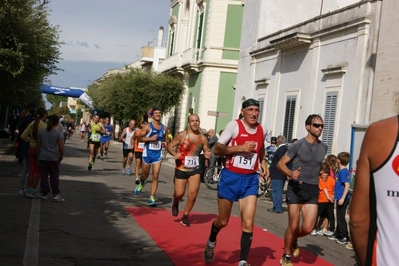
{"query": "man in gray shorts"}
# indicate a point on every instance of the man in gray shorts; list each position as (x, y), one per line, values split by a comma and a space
(303, 187)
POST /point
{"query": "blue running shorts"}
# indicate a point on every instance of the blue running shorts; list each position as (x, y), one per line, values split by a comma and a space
(233, 186)
(151, 160)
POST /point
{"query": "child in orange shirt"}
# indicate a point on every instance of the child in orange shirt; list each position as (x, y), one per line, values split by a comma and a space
(326, 198)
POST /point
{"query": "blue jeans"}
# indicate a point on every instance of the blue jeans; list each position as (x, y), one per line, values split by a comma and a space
(277, 194)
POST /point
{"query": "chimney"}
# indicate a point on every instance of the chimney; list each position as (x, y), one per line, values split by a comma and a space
(160, 37)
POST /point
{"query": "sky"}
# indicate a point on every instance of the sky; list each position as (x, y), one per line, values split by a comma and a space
(100, 35)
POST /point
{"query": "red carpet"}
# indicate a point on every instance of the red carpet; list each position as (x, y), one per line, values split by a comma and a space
(184, 245)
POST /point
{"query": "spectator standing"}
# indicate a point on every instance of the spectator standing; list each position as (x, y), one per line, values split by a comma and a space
(31, 134)
(50, 152)
(342, 198)
(23, 150)
(331, 161)
(277, 178)
(271, 149)
(326, 200)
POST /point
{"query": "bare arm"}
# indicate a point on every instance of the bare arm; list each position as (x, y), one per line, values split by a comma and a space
(123, 134)
(283, 168)
(359, 221)
(102, 129)
(222, 150)
(262, 158)
(144, 131)
(175, 142)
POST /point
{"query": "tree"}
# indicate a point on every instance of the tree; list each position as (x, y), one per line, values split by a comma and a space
(131, 94)
(29, 51)
(56, 99)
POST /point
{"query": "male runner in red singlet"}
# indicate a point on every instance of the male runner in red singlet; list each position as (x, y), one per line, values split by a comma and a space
(190, 143)
(242, 142)
(374, 211)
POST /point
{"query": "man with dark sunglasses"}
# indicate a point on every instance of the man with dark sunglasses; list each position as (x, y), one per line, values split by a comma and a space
(306, 156)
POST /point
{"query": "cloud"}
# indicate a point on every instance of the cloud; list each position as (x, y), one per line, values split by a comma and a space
(84, 44)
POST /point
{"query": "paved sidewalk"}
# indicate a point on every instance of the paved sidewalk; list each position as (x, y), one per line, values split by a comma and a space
(91, 227)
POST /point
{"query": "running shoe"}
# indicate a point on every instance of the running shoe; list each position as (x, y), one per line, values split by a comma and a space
(209, 252)
(295, 249)
(320, 232)
(123, 172)
(137, 181)
(129, 170)
(138, 189)
(22, 192)
(328, 232)
(349, 246)
(44, 197)
(342, 241)
(286, 261)
(98, 156)
(332, 238)
(57, 198)
(93, 162)
(151, 202)
(314, 232)
(89, 167)
(175, 208)
(34, 196)
(184, 220)
(243, 263)
(102, 158)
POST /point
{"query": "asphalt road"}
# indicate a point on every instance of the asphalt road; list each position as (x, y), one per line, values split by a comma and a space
(92, 226)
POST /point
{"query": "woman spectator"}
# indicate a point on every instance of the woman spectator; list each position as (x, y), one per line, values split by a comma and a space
(30, 135)
(50, 148)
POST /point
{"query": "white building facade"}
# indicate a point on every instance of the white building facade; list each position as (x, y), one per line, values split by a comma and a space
(309, 57)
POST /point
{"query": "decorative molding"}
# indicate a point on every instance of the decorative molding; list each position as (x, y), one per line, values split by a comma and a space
(200, 5)
(334, 70)
(293, 40)
(264, 81)
(172, 22)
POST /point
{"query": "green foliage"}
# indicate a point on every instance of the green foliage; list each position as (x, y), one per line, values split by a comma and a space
(29, 51)
(131, 94)
(55, 110)
(56, 99)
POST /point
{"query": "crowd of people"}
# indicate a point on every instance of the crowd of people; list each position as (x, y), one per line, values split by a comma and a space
(40, 150)
(318, 191)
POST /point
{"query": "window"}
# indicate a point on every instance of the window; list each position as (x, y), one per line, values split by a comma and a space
(289, 117)
(261, 104)
(172, 39)
(200, 25)
(329, 119)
